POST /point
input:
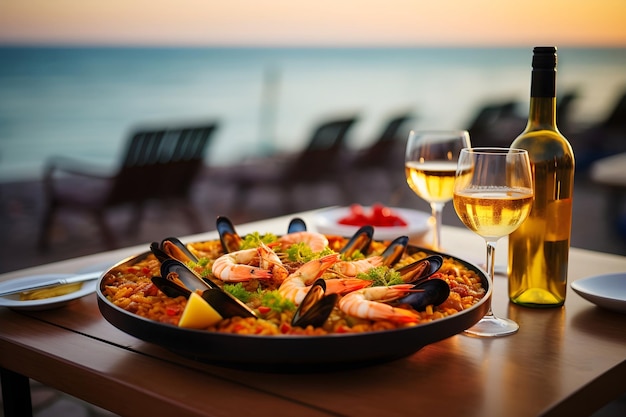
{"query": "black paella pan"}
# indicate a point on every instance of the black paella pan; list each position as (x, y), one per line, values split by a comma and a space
(291, 353)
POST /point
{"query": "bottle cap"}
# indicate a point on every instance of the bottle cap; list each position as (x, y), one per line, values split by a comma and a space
(544, 57)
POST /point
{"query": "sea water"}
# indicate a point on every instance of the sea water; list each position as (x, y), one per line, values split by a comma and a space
(84, 102)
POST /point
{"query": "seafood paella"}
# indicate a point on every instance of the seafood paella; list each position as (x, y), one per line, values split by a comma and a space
(299, 283)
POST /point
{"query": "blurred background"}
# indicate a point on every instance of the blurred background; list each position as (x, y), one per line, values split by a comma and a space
(78, 78)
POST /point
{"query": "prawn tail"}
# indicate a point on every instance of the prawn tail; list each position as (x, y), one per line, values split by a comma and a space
(240, 273)
(345, 286)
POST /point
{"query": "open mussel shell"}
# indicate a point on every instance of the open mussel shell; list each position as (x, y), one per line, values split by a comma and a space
(170, 288)
(360, 241)
(172, 248)
(226, 305)
(431, 292)
(175, 270)
(422, 269)
(394, 251)
(296, 225)
(179, 280)
(315, 307)
(155, 248)
(231, 241)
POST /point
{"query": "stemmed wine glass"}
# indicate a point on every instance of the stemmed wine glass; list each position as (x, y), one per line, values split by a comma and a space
(430, 163)
(493, 194)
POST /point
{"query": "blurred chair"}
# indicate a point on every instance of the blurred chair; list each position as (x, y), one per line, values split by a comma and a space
(387, 151)
(602, 139)
(383, 159)
(499, 123)
(323, 160)
(610, 174)
(617, 116)
(158, 164)
(564, 106)
(496, 124)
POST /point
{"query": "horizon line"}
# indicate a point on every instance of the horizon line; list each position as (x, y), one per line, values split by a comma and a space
(153, 45)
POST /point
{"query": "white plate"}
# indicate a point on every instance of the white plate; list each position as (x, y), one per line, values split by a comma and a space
(608, 291)
(13, 301)
(417, 224)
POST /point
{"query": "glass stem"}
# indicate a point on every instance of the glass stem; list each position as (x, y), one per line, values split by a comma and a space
(491, 257)
(437, 209)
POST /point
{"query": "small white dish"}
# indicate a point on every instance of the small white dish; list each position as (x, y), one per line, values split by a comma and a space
(608, 291)
(417, 224)
(13, 301)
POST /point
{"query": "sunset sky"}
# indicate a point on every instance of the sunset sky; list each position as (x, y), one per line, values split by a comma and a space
(314, 22)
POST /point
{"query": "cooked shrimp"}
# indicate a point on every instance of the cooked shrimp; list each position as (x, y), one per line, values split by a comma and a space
(232, 267)
(345, 285)
(352, 268)
(271, 262)
(297, 284)
(368, 303)
(316, 241)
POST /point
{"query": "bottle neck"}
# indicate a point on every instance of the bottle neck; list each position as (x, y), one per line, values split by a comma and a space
(542, 113)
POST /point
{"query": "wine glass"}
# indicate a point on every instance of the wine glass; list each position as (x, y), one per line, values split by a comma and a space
(493, 194)
(429, 164)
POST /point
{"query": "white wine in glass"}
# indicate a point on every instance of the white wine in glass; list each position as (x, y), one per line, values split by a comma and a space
(493, 195)
(430, 165)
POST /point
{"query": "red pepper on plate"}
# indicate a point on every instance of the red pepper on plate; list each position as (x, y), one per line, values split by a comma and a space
(380, 215)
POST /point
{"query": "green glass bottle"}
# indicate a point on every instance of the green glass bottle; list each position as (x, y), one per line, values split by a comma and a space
(539, 248)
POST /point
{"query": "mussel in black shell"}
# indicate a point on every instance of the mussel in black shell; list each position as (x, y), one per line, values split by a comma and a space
(360, 241)
(422, 269)
(395, 250)
(225, 304)
(315, 307)
(170, 288)
(432, 292)
(175, 270)
(231, 241)
(178, 280)
(296, 225)
(172, 248)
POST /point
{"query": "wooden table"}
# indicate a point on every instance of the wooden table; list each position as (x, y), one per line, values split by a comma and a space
(563, 361)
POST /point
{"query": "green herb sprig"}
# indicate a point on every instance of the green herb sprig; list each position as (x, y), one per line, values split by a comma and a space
(238, 291)
(301, 252)
(252, 240)
(277, 302)
(382, 276)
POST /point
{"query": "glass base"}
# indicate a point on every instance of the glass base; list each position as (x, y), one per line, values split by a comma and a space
(492, 326)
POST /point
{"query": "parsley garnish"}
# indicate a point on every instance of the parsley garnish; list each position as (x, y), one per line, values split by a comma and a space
(276, 302)
(252, 240)
(382, 275)
(238, 291)
(301, 252)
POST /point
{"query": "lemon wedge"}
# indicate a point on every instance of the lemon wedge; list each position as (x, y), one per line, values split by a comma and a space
(198, 314)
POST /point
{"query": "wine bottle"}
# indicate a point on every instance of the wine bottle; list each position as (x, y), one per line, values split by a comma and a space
(539, 248)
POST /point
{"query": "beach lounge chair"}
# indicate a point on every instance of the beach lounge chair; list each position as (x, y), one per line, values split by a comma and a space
(610, 174)
(496, 124)
(564, 105)
(323, 160)
(387, 151)
(381, 164)
(159, 164)
(600, 140)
